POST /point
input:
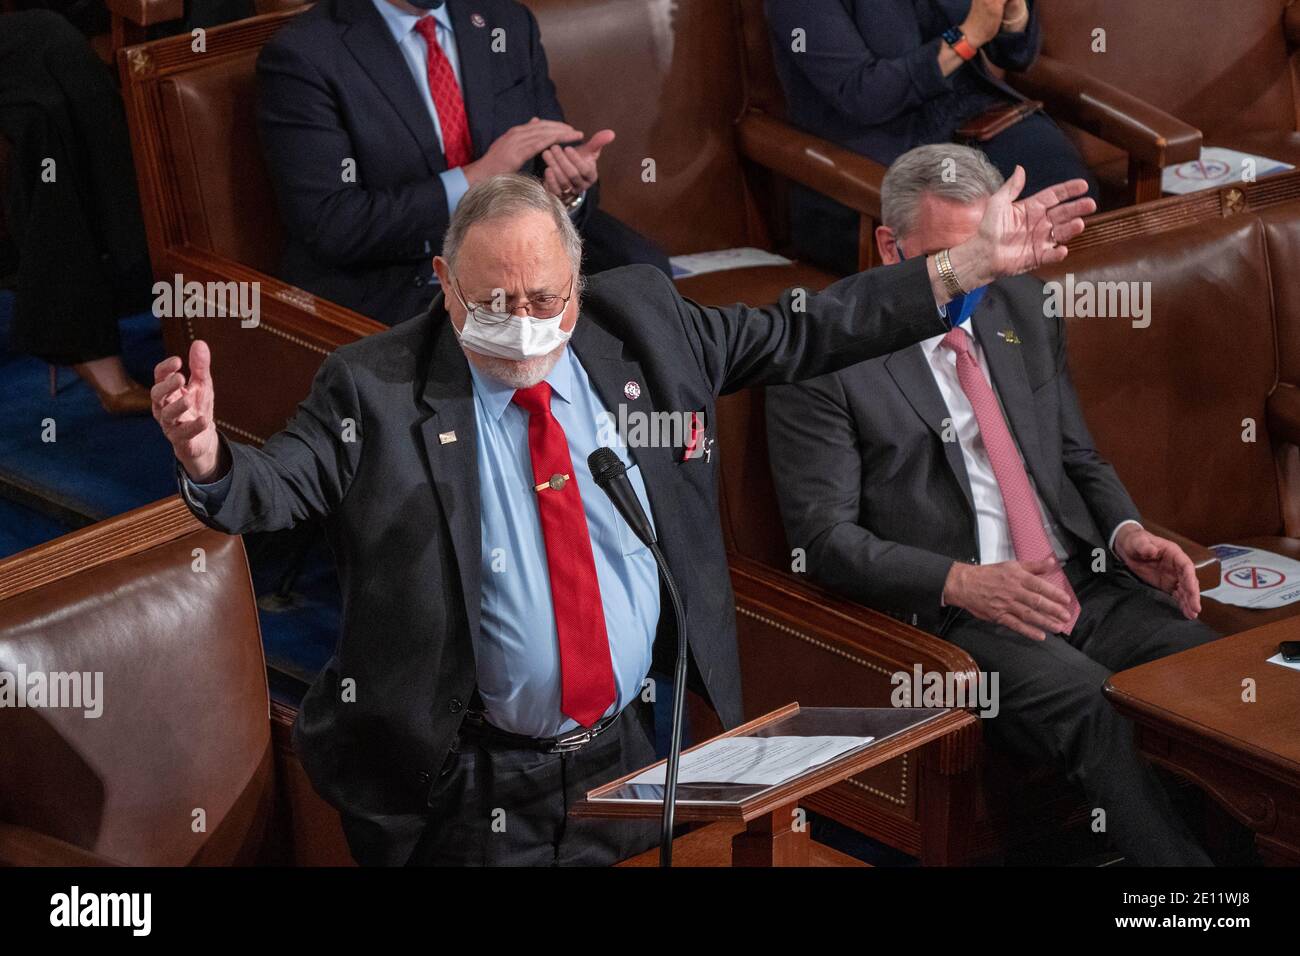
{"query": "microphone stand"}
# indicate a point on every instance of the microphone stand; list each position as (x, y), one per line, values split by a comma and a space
(610, 475)
(679, 706)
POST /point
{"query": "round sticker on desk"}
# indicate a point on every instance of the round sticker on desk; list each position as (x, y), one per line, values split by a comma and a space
(1254, 578)
(632, 390)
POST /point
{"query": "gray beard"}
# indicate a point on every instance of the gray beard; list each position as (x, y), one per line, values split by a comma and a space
(523, 374)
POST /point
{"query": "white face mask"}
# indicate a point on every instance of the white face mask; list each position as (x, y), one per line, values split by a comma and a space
(505, 335)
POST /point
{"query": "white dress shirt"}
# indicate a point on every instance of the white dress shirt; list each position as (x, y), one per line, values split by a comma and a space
(990, 511)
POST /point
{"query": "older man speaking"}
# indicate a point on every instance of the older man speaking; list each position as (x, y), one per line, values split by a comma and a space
(499, 620)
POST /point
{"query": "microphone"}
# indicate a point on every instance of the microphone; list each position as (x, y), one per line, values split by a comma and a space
(610, 475)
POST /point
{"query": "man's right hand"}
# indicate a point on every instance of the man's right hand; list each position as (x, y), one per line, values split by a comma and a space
(1011, 594)
(184, 410)
(984, 21)
(518, 146)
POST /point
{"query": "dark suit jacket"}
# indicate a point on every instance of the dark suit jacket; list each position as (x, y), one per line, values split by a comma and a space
(333, 86)
(401, 507)
(869, 78)
(883, 505)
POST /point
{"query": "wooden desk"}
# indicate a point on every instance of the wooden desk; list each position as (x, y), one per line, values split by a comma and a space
(711, 846)
(757, 820)
(1191, 717)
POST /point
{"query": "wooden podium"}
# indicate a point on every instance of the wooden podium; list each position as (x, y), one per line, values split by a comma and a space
(763, 818)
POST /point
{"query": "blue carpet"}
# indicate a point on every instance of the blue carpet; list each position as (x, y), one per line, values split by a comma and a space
(98, 465)
(22, 527)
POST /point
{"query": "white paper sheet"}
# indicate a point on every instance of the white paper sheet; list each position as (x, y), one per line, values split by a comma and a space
(1277, 659)
(754, 760)
(1255, 578)
(698, 263)
(1217, 167)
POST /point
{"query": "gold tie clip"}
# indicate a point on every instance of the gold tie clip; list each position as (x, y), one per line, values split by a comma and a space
(555, 481)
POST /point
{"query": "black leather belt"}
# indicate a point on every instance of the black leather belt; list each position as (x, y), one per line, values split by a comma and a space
(475, 727)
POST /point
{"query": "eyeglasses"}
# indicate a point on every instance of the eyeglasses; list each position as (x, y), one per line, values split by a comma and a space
(545, 305)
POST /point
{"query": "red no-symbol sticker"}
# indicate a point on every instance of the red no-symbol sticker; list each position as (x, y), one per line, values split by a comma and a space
(1255, 578)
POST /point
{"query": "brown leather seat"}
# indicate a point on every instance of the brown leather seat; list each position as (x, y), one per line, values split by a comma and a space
(1228, 68)
(1173, 405)
(177, 768)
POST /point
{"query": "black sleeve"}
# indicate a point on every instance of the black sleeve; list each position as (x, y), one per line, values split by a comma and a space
(806, 334)
(863, 87)
(303, 471)
(817, 468)
(305, 144)
(1017, 51)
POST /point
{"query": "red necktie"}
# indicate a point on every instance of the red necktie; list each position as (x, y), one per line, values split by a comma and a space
(446, 98)
(586, 673)
(1024, 518)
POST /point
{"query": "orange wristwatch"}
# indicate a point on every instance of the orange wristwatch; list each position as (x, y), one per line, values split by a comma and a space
(960, 45)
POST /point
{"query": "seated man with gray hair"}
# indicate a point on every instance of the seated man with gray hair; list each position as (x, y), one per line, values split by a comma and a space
(954, 485)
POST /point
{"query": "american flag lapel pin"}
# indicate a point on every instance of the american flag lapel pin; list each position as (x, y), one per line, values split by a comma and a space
(446, 438)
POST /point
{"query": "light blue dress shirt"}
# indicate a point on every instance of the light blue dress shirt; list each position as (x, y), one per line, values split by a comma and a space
(416, 53)
(517, 655)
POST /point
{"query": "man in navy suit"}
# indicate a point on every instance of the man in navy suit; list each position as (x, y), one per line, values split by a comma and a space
(375, 118)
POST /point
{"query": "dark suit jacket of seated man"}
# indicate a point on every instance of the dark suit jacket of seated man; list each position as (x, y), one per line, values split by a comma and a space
(471, 565)
(350, 125)
(885, 478)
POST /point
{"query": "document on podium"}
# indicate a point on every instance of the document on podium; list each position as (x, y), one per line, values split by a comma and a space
(763, 761)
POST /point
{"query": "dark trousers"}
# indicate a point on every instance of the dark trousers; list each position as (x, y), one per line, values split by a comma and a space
(1052, 708)
(497, 805)
(1043, 149)
(71, 201)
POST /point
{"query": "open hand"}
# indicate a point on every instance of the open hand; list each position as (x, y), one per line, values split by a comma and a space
(184, 410)
(571, 170)
(1017, 236)
(1162, 564)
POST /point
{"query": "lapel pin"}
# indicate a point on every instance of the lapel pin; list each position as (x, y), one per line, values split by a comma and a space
(446, 438)
(477, 20)
(1009, 336)
(632, 390)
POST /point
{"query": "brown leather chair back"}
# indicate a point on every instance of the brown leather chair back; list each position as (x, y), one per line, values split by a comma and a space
(662, 74)
(1221, 65)
(177, 767)
(226, 195)
(1168, 404)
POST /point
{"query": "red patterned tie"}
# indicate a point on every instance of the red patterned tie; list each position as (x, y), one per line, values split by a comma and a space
(586, 672)
(446, 97)
(1024, 518)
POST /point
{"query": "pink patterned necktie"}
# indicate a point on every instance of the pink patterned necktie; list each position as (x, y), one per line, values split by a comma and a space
(447, 99)
(1024, 519)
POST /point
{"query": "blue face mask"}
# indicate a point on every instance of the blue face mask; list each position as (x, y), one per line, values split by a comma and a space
(962, 307)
